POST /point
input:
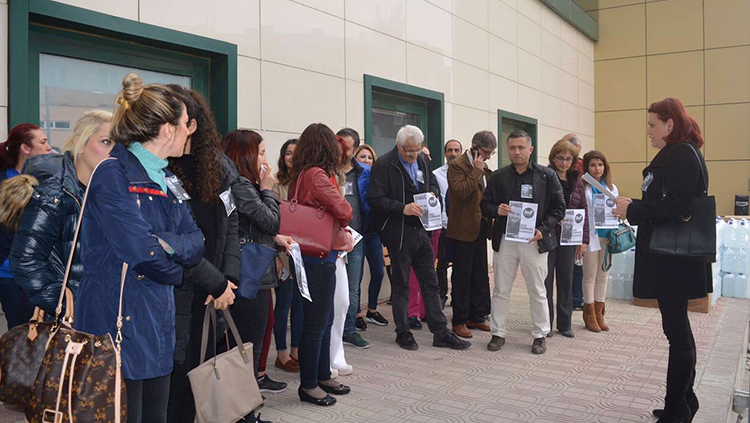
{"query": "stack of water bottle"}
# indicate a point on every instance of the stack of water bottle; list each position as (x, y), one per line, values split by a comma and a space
(620, 283)
(733, 258)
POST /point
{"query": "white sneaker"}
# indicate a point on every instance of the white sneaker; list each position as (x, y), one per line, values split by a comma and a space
(346, 370)
(334, 373)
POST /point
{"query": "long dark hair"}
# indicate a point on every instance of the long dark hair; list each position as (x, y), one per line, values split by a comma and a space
(284, 174)
(243, 147)
(317, 147)
(685, 129)
(205, 146)
(10, 150)
(594, 154)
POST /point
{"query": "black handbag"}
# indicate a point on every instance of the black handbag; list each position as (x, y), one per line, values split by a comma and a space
(691, 238)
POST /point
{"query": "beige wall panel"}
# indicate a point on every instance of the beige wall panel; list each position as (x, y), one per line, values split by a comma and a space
(241, 27)
(470, 86)
(696, 112)
(621, 136)
(569, 87)
(503, 58)
(728, 75)
(475, 11)
(551, 21)
(569, 117)
(294, 98)
(552, 80)
(529, 36)
(299, 36)
(547, 137)
(551, 49)
(621, 84)
(429, 27)
(628, 177)
(532, 9)
(622, 32)
(674, 25)
(429, 70)
(569, 35)
(728, 179)
(511, 3)
(677, 75)
(355, 106)
(529, 102)
(586, 96)
(503, 94)
(370, 52)
(127, 9)
(334, 7)
(446, 5)
(470, 44)
(467, 121)
(529, 70)
(551, 111)
(585, 68)
(586, 122)
(585, 45)
(503, 21)
(248, 93)
(387, 16)
(727, 132)
(3, 56)
(569, 58)
(727, 23)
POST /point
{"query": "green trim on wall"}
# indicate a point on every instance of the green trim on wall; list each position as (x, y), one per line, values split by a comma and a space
(533, 132)
(435, 130)
(574, 15)
(222, 56)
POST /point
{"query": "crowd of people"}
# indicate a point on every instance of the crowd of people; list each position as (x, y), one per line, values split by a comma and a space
(180, 202)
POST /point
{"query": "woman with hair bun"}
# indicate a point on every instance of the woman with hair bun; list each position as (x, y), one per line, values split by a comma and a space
(136, 214)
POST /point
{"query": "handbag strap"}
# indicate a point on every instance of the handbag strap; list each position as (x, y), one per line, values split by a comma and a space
(210, 316)
(296, 187)
(700, 166)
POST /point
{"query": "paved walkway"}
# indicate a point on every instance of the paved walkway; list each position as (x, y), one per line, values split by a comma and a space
(606, 377)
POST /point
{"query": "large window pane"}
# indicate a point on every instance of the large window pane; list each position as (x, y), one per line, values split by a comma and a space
(385, 126)
(69, 87)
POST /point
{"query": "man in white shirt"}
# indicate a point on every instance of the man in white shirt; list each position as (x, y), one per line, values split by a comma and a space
(452, 150)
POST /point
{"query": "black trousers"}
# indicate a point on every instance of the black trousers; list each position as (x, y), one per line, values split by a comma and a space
(251, 317)
(560, 262)
(147, 399)
(416, 253)
(682, 352)
(470, 280)
(442, 267)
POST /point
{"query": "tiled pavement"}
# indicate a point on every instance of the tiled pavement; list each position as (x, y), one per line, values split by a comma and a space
(596, 377)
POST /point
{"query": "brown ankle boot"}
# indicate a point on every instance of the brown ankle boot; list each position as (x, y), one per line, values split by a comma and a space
(599, 310)
(589, 318)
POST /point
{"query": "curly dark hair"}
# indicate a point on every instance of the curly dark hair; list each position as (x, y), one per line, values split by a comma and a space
(284, 174)
(317, 147)
(205, 146)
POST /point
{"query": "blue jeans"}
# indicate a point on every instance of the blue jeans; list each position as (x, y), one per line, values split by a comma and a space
(354, 263)
(577, 285)
(147, 399)
(315, 345)
(374, 256)
(288, 297)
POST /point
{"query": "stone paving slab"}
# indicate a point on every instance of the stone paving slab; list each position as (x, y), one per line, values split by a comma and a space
(617, 376)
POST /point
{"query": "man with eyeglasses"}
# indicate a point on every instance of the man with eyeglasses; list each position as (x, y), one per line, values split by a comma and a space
(396, 177)
(527, 182)
(468, 230)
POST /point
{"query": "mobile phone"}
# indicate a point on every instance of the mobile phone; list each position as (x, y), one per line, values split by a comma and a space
(474, 151)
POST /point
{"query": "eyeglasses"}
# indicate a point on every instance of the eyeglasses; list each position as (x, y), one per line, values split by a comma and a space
(486, 153)
(564, 159)
(410, 152)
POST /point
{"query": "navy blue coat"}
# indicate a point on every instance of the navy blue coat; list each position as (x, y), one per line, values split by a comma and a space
(116, 229)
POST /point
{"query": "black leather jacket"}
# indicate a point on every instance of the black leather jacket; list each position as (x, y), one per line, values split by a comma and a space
(42, 244)
(548, 195)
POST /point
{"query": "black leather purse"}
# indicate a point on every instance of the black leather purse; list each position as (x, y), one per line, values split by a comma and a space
(692, 238)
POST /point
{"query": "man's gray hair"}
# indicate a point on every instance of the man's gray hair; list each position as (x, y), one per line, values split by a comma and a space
(519, 134)
(485, 139)
(409, 132)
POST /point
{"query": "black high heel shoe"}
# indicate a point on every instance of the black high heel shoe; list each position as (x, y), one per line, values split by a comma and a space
(324, 402)
(692, 402)
(684, 415)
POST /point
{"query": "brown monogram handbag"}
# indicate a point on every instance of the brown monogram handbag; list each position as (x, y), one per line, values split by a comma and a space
(79, 377)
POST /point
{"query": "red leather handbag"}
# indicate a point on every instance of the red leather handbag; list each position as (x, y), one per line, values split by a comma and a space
(314, 228)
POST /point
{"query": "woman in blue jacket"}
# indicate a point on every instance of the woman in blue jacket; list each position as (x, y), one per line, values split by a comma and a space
(132, 217)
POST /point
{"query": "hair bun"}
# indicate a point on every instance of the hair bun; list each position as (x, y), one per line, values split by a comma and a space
(132, 88)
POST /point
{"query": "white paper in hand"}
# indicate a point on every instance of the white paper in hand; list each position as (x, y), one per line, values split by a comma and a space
(356, 237)
(299, 268)
(571, 232)
(521, 223)
(432, 217)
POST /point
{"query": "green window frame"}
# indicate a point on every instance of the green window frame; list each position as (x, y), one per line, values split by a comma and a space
(428, 104)
(532, 129)
(46, 27)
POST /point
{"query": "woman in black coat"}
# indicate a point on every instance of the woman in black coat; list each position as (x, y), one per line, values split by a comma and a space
(673, 179)
(205, 173)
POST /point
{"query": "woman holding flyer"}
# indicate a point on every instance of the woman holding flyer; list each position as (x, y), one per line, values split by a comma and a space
(594, 278)
(560, 260)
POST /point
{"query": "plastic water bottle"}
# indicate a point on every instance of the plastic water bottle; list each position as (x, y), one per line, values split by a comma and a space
(729, 234)
(740, 260)
(727, 261)
(740, 286)
(728, 284)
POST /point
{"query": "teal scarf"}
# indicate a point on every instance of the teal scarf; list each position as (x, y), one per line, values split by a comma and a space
(154, 166)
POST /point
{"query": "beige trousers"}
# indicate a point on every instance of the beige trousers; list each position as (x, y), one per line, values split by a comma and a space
(594, 278)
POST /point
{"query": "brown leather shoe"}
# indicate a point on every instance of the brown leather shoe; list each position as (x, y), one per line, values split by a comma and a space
(539, 346)
(496, 343)
(462, 331)
(290, 366)
(484, 326)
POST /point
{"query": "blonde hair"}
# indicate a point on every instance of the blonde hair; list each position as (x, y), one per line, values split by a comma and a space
(84, 128)
(15, 194)
(142, 110)
(368, 148)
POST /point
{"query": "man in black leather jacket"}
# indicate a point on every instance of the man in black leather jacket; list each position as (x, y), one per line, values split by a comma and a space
(527, 182)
